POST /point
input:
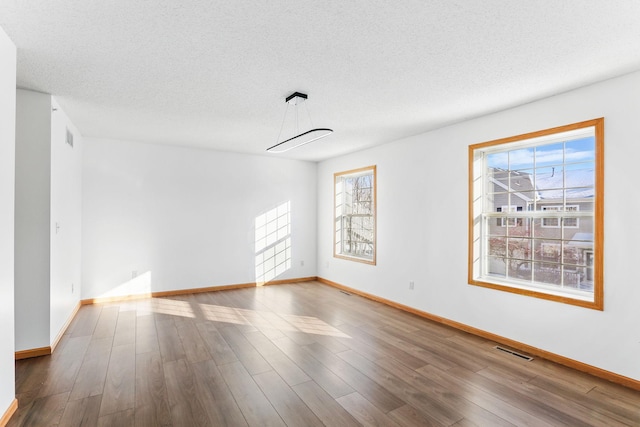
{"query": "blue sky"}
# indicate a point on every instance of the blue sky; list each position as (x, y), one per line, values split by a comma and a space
(577, 150)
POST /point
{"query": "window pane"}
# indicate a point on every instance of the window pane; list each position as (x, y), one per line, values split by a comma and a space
(498, 174)
(580, 181)
(571, 222)
(534, 197)
(497, 267)
(550, 154)
(520, 269)
(518, 227)
(498, 246)
(524, 199)
(587, 284)
(579, 252)
(498, 160)
(547, 250)
(547, 228)
(547, 273)
(549, 197)
(496, 201)
(520, 248)
(572, 255)
(521, 159)
(355, 214)
(521, 181)
(571, 278)
(549, 178)
(497, 227)
(580, 150)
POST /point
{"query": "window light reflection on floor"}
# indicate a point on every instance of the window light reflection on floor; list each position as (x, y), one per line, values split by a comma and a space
(262, 320)
(269, 320)
(171, 307)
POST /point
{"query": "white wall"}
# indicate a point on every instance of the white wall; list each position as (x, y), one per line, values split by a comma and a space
(185, 218)
(66, 213)
(422, 230)
(7, 180)
(48, 193)
(32, 239)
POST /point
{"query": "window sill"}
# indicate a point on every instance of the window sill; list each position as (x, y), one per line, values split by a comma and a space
(569, 296)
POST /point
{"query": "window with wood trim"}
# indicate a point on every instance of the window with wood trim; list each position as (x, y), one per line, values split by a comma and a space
(355, 215)
(536, 214)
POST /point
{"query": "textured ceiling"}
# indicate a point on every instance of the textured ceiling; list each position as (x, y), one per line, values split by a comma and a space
(215, 74)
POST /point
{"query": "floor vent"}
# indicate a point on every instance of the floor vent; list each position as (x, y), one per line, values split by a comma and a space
(346, 293)
(514, 353)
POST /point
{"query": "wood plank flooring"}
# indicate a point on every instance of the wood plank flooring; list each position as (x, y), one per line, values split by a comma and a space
(296, 355)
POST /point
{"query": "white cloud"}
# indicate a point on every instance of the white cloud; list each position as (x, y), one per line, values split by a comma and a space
(524, 158)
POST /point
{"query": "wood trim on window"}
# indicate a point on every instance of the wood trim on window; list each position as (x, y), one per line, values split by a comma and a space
(372, 168)
(598, 218)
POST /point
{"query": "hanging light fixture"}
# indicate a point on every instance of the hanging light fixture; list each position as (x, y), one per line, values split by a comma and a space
(301, 138)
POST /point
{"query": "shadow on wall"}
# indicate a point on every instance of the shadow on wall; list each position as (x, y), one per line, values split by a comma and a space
(273, 243)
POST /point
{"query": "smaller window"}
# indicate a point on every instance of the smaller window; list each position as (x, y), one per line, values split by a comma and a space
(355, 215)
(555, 221)
(509, 222)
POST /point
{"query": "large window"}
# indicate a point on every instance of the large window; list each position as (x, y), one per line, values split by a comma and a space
(355, 215)
(536, 214)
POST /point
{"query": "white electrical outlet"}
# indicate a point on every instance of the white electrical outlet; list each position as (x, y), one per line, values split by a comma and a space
(72, 288)
(411, 285)
(301, 263)
(134, 274)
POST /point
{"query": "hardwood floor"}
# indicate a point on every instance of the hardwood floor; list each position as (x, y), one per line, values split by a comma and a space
(296, 355)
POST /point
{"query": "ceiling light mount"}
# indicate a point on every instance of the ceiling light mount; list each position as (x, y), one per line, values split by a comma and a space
(300, 138)
(296, 98)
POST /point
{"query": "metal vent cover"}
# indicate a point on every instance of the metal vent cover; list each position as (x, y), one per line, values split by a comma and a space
(514, 353)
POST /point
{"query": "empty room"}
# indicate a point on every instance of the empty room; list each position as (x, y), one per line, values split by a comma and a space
(297, 213)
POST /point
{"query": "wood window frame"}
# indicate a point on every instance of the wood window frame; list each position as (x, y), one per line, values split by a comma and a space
(475, 237)
(336, 215)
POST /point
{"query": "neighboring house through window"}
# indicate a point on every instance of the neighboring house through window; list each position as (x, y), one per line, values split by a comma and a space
(555, 222)
(536, 214)
(509, 222)
(355, 215)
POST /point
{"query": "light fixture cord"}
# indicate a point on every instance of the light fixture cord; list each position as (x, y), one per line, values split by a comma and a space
(308, 114)
(297, 123)
(283, 120)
